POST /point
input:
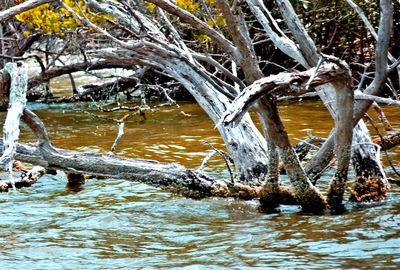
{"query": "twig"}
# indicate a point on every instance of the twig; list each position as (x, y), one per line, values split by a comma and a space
(384, 148)
(225, 156)
(120, 133)
(206, 159)
(387, 101)
(307, 87)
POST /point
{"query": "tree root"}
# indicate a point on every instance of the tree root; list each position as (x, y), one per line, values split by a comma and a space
(311, 200)
(271, 196)
(369, 189)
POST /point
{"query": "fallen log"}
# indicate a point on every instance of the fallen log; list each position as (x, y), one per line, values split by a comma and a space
(168, 176)
(172, 177)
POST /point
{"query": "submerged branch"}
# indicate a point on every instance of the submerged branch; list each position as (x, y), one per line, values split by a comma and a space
(171, 177)
(26, 180)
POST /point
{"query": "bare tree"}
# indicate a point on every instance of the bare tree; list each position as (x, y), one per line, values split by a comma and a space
(141, 38)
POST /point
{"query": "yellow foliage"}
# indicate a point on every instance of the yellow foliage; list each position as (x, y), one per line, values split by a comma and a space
(48, 19)
(151, 6)
(188, 5)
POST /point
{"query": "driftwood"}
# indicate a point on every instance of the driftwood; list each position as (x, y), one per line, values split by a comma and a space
(210, 92)
(300, 82)
(27, 179)
(172, 177)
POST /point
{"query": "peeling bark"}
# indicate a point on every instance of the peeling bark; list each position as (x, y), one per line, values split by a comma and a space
(5, 80)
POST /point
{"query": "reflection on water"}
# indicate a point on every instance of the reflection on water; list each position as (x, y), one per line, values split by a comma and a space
(116, 224)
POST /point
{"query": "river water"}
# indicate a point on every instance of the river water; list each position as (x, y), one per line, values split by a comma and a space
(117, 224)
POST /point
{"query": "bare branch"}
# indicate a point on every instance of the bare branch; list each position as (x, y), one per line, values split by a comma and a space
(274, 32)
(299, 32)
(295, 82)
(387, 101)
(8, 13)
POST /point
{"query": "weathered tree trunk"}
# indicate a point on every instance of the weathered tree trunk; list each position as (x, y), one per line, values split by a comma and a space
(326, 93)
(308, 196)
(343, 138)
(204, 87)
(17, 101)
(338, 75)
(242, 141)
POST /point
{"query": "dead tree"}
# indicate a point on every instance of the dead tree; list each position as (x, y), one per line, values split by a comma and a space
(256, 158)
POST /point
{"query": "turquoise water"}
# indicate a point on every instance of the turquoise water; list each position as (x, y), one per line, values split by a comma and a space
(117, 224)
(114, 224)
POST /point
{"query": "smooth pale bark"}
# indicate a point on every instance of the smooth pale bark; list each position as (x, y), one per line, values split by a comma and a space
(17, 101)
(277, 36)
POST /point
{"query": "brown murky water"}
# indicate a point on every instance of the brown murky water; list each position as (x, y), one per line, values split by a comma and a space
(116, 224)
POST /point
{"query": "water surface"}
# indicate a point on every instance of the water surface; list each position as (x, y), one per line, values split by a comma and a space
(117, 224)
